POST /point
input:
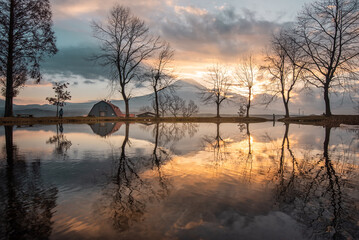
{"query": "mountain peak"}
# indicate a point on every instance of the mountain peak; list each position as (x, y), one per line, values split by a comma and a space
(189, 83)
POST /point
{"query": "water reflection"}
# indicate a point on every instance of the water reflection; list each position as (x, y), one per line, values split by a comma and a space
(128, 193)
(62, 144)
(105, 129)
(312, 192)
(26, 202)
(217, 145)
(180, 181)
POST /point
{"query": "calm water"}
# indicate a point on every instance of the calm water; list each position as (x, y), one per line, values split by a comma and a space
(179, 181)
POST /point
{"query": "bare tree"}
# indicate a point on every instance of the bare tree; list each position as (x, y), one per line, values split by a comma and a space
(163, 103)
(145, 109)
(190, 109)
(61, 95)
(125, 44)
(218, 83)
(26, 37)
(285, 68)
(176, 104)
(328, 34)
(161, 75)
(245, 75)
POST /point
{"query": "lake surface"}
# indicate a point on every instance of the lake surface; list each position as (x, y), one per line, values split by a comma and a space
(179, 181)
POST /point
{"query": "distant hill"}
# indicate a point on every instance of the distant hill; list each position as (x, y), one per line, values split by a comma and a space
(190, 90)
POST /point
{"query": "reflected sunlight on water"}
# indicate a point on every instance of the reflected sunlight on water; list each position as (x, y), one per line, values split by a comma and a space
(179, 181)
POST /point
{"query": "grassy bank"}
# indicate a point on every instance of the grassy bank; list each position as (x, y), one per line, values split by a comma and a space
(333, 121)
(92, 120)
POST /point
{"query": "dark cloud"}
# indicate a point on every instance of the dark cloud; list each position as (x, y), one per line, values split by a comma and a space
(76, 61)
(89, 82)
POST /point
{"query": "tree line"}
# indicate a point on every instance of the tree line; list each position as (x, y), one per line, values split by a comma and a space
(320, 49)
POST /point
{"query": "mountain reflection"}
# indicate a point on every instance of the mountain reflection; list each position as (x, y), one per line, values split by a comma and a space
(26, 203)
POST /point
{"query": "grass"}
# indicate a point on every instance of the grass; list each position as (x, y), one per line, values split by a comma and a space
(92, 120)
(320, 120)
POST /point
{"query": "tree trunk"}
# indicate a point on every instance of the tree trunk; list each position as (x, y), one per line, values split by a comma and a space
(286, 108)
(218, 137)
(127, 108)
(156, 102)
(126, 100)
(9, 65)
(57, 110)
(249, 101)
(218, 110)
(328, 112)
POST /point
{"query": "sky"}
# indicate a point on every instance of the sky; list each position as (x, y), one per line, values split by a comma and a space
(202, 32)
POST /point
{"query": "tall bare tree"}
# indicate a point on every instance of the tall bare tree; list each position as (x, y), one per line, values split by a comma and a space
(219, 83)
(328, 33)
(245, 75)
(284, 66)
(125, 44)
(161, 75)
(26, 37)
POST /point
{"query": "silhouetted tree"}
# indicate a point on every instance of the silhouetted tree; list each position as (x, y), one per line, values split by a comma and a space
(283, 63)
(245, 75)
(161, 75)
(163, 103)
(61, 95)
(328, 34)
(190, 109)
(242, 109)
(125, 44)
(26, 37)
(218, 83)
(176, 105)
(145, 109)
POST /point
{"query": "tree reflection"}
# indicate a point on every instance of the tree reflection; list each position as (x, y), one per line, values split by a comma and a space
(159, 156)
(286, 188)
(313, 193)
(26, 203)
(128, 193)
(60, 141)
(170, 133)
(248, 157)
(217, 145)
(174, 132)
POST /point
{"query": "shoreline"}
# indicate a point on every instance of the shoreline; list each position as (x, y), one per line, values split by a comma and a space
(93, 120)
(320, 120)
(333, 121)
